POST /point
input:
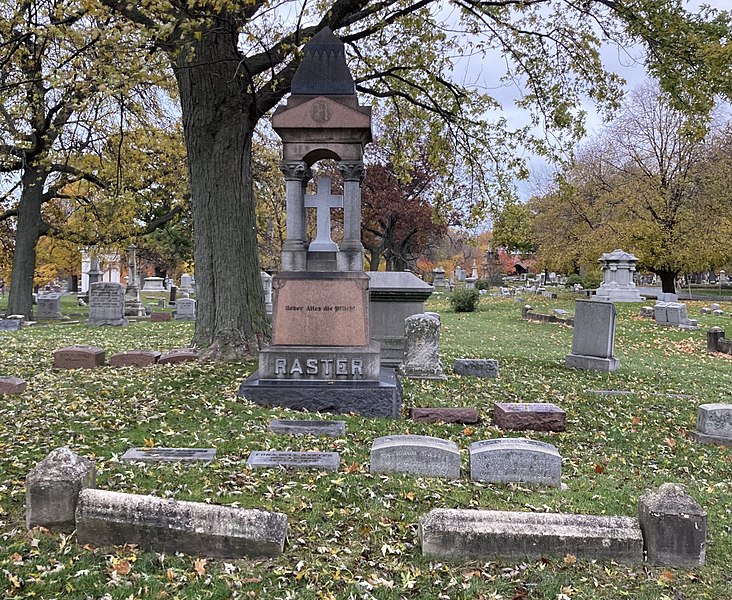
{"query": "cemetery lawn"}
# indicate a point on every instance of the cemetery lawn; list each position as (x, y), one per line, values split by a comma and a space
(353, 535)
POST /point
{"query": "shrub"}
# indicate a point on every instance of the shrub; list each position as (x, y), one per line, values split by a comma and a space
(464, 300)
(574, 279)
(592, 280)
(482, 284)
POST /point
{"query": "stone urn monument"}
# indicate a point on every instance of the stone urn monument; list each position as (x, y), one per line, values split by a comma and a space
(322, 357)
(617, 284)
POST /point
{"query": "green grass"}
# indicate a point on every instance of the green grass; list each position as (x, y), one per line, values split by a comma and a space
(351, 534)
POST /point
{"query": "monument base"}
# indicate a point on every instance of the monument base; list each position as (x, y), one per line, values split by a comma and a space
(591, 363)
(704, 438)
(382, 398)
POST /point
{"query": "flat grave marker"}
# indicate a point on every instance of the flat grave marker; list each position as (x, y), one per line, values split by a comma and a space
(416, 454)
(322, 461)
(170, 454)
(302, 427)
(517, 460)
(531, 416)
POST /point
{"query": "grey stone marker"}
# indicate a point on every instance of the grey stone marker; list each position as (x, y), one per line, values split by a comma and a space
(422, 348)
(674, 527)
(299, 427)
(533, 416)
(10, 324)
(52, 489)
(593, 340)
(185, 309)
(170, 454)
(416, 454)
(322, 461)
(713, 424)
(112, 519)
(515, 460)
(713, 336)
(49, 306)
(659, 312)
(475, 367)
(107, 304)
(487, 534)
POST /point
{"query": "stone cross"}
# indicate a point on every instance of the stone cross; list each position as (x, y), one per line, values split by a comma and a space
(323, 201)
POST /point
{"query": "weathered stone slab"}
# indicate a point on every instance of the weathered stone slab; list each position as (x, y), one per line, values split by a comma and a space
(300, 427)
(11, 324)
(52, 489)
(422, 348)
(515, 460)
(452, 534)
(185, 309)
(135, 358)
(659, 312)
(611, 392)
(674, 527)
(444, 415)
(713, 424)
(112, 519)
(534, 416)
(474, 367)
(177, 356)
(12, 385)
(322, 461)
(415, 454)
(593, 341)
(160, 317)
(170, 454)
(107, 304)
(78, 357)
(49, 306)
(647, 311)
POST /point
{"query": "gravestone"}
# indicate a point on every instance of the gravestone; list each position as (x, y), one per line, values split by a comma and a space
(153, 284)
(476, 367)
(133, 304)
(593, 340)
(480, 535)
(11, 324)
(321, 461)
(438, 279)
(78, 357)
(322, 357)
(674, 527)
(415, 454)
(647, 311)
(659, 312)
(106, 304)
(394, 296)
(185, 309)
(49, 307)
(160, 317)
(617, 278)
(529, 416)
(12, 385)
(299, 427)
(515, 460)
(186, 284)
(714, 335)
(443, 415)
(164, 525)
(178, 356)
(52, 489)
(266, 279)
(135, 358)
(422, 348)
(677, 316)
(713, 424)
(173, 294)
(170, 454)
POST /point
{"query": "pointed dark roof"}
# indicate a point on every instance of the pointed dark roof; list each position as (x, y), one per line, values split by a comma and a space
(323, 71)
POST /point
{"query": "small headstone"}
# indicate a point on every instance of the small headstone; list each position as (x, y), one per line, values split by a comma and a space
(515, 460)
(78, 357)
(300, 427)
(416, 454)
(674, 527)
(536, 416)
(52, 489)
(177, 356)
(455, 534)
(135, 358)
(153, 284)
(186, 283)
(10, 324)
(12, 385)
(162, 303)
(422, 348)
(593, 341)
(659, 312)
(705, 311)
(714, 424)
(163, 525)
(185, 310)
(647, 311)
(266, 279)
(718, 313)
(107, 304)
(160, 317)
(715, 306)
(321, 461)
(49, 307)
(444, 415)
(474, 367)
(170, 454)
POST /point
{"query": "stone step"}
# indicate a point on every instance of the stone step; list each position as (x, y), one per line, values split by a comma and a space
(487, 534)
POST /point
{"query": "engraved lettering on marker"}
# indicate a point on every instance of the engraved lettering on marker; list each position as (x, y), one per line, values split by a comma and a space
(280, 366)
(312, 366)
(327, 363)
(296, 368)
(356, 367)
(341, 366)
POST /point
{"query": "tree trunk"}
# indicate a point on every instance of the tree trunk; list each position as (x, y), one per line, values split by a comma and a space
(668, 281)
(29, 228)
(218, 126)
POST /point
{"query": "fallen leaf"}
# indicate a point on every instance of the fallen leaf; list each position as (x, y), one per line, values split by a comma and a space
(468, 431)
(149, 442)
(666, 577)
(670, 442)
(570, 559)
(199, 566)
(599, 469)
(123, 567)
